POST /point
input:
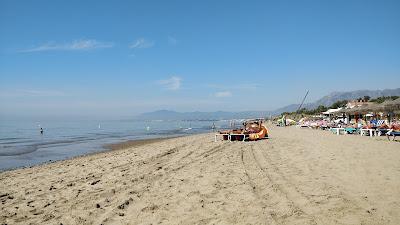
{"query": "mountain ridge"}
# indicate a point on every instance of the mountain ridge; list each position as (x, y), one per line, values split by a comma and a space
(326, 100)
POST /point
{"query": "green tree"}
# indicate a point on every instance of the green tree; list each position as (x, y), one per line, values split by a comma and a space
(339, 104)
(383, 98)
(320, 109)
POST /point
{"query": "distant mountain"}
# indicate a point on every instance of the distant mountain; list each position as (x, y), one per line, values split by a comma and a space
(327, 100)
(288, 108)
(337, 96)
(333, 97)
(219, 115)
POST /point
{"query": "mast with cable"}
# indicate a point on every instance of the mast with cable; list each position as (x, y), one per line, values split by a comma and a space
(302, 102)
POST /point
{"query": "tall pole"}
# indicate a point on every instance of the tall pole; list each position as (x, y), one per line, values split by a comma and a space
(302, 102)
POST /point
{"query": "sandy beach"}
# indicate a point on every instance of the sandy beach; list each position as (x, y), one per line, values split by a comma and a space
(296, 177)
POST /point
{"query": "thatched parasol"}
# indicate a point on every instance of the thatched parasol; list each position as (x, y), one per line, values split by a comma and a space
(391, 106)
(387, 106)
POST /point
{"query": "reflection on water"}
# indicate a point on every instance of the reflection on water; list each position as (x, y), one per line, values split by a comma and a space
(22, 144)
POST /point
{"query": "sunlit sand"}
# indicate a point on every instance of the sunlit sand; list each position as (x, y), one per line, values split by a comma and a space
(295, 177)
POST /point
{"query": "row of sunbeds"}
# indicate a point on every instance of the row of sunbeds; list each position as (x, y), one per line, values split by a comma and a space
(378, 129)
(366, 131)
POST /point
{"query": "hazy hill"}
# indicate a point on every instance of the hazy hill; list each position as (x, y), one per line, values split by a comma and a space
(327, 100)
(336, 96)
(333, 97)
(219, 115)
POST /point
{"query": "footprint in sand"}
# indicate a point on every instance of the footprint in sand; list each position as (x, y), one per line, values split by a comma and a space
(95, 182)
(151, 208)
(125, 204)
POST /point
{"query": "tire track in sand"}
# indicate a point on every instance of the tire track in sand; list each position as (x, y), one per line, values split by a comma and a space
(336, 202)
(299, 209)
(261, 193)
(168, 161)
(278, 203)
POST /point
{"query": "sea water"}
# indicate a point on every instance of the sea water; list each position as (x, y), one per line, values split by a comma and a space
(22, 144)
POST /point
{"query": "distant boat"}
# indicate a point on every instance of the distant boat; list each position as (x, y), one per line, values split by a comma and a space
(147, 128)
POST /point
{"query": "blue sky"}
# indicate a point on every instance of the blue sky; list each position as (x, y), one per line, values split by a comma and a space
(121, 58)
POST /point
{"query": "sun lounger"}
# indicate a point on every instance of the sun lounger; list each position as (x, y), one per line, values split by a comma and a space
(324, 127)
(350, 130)
(244, 136)
(337, 130)
(229, 136)
(382, 131)
(392, 133)
(371, 132)
(223, 136)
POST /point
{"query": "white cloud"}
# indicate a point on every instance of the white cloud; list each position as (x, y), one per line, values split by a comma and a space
(172, 40)
(142, 43)
(88, 44)
(223, 94)
(173, 83)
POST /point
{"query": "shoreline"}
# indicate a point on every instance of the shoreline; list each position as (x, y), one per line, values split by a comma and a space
(136, 143)
(105, 148)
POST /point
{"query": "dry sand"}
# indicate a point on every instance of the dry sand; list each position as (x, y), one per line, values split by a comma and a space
(296, 177)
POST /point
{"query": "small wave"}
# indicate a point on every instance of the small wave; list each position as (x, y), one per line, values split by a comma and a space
(20, 150)
(11, 139)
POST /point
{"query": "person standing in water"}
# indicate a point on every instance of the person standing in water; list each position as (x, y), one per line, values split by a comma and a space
(41, 131)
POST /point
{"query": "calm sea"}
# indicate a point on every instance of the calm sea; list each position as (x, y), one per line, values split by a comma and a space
(22, 144)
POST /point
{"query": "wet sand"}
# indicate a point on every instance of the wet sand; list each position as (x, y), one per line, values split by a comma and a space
(296, 177)
(133, 143)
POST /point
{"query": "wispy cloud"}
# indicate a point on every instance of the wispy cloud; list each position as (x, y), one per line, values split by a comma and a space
(172, 40)
(244, 86)
(223, 94)
(173, 83)
(142, 43)
(77, 45)
(32, 93)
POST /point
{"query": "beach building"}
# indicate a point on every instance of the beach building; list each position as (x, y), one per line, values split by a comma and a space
(388, 111)
(356, 103)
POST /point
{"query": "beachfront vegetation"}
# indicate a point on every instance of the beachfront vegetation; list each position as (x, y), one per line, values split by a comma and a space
(318, 110)
(338, 104)
(384, 98)
(304, 111)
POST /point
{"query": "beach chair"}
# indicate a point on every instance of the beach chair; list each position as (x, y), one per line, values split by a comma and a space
(382, 131)
(350, 130)
(225, 136)
(368, 131)
(380, 123)
(392, 133)
(336, 130)
(238, 137)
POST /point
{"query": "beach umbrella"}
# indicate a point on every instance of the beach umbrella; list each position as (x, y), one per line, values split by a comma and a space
(392, 105)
